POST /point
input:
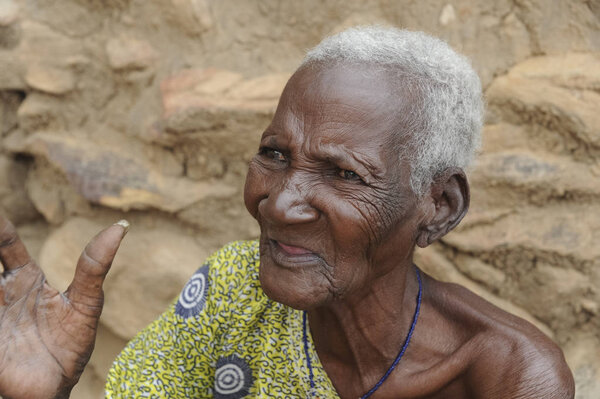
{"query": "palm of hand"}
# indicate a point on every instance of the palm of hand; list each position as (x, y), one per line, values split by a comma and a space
(46, 338)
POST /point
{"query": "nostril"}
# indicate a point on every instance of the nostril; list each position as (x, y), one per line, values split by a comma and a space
(287, 208)
(301, 213)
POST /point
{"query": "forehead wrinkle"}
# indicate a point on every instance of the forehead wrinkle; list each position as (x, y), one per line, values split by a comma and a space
(287, 127)
(348, 114)
(339, 152)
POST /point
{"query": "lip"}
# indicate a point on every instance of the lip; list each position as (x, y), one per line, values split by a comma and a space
(291, 249)
(291, 256)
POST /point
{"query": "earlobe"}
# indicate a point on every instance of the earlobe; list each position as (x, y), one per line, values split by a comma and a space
(422, 238)
(451, 195)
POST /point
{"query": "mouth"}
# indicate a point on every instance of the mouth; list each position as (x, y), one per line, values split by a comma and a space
(291, 249)
(291, 256)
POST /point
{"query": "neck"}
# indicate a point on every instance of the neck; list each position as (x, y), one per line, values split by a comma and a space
(358, 338)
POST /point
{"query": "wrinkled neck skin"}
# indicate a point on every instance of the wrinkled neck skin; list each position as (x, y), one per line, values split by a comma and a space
(358, 338)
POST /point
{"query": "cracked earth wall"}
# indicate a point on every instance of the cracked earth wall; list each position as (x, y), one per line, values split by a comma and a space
(150, 110)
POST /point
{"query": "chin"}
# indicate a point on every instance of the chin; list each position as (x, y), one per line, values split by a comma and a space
(287, 288)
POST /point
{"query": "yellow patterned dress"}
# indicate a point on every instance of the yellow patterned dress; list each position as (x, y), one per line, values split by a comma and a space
(223, 338)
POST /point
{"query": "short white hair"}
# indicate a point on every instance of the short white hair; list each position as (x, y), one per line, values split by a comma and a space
(447, 118)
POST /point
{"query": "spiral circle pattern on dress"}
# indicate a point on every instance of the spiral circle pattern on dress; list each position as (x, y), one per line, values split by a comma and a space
(193, 296)
(233, 378)
(229, 379)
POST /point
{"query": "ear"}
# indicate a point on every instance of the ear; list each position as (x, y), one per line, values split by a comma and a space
(450, 197)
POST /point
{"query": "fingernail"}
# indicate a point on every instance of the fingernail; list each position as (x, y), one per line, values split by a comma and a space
(125, 225)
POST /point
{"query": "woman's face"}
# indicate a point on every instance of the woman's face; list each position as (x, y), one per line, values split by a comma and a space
(329, 192)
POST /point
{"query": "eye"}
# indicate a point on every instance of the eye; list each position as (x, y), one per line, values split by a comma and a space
(348, 175)
(272, 154)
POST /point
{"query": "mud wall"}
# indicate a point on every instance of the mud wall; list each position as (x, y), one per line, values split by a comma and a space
(150, 109)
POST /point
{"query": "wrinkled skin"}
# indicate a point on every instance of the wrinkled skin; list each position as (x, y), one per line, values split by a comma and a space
(339, 224)
(46, 338)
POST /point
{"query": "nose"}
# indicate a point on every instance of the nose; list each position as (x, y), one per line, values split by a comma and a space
(288, 204)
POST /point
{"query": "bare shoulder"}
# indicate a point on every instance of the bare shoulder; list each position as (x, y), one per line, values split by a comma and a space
(508, 356)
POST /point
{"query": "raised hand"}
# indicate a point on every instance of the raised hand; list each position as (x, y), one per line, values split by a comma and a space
(47, 337)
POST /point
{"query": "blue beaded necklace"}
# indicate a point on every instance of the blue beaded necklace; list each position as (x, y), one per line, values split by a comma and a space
(394, 364)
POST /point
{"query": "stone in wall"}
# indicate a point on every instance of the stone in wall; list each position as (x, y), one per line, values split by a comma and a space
(37, 112)
(193, 16)
(14, 201)
(204, 99)
(10, 31)
(9, 103)
(434, 261)
(53, 197)
(54, 74)
(116, 179)
(130, 53)
(562, 98)
(9, 12)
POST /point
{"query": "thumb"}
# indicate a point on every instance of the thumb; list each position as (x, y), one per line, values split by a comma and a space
(92, 267)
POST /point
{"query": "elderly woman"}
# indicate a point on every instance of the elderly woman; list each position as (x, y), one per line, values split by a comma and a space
(363, 161)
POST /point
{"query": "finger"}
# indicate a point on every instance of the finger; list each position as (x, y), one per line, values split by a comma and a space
(93, 264)
(13, 253)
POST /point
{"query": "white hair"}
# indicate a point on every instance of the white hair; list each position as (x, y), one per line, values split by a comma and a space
(445, 122)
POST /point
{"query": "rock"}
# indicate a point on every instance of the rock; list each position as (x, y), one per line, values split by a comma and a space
(447, 16)
(95, 85)
(52, 195)
(203, 82)
(129, 53)
(555, 228)
(9, 37)
(116, 179)
(37, 112)
(546, 255)
(201, 99)
(9, 103)
(263, 88)
(50, 79)
(9, 12)
(149, 271)
(15, 204)
(432, 261)
(525, 97)
(517, 177)
(481, 272)
(224, 219)
(33, 234)
(200, 166)
(10, 32)
(11, 69)
(193, 16)
(572, 70)
(552, 27)
(582, 355)
(521, 101)
(72, 18)
(41, 45)
(567, 286)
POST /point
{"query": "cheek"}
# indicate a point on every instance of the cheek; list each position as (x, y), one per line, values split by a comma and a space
(362, 218)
